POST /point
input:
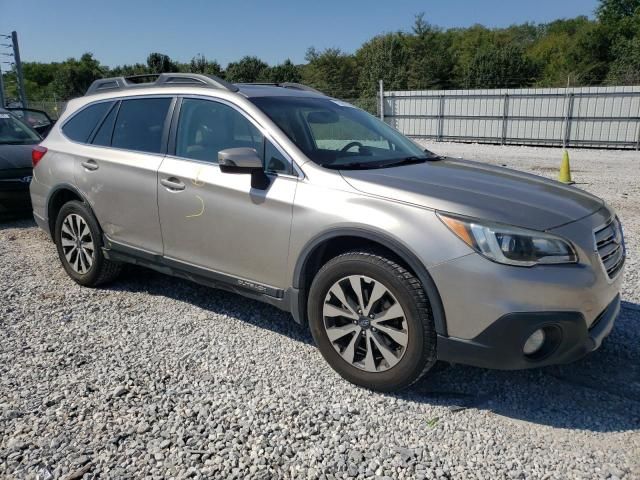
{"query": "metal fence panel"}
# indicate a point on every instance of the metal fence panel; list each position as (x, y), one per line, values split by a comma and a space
(605, 117)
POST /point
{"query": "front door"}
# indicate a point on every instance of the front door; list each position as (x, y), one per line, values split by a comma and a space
(216, 220)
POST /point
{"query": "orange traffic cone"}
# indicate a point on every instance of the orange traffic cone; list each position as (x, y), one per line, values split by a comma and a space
(565, 170)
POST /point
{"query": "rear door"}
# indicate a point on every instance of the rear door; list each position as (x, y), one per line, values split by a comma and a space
(117, 169)
(216, 220)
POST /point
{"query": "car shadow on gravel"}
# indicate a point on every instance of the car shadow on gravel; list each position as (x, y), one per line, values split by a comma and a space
(598, 393)
(16, 220)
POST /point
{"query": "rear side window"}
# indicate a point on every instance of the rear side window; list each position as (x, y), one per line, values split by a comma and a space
(80, 126)
(104, 133)
(140, 124)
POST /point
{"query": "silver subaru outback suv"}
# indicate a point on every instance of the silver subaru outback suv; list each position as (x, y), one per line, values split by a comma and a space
(393, 256)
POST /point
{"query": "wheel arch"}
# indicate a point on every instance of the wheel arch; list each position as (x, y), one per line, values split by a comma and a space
(58, 196)
(328, 244)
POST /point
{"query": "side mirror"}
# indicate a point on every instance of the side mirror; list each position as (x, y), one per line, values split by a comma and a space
(239, 160)
(244, 160)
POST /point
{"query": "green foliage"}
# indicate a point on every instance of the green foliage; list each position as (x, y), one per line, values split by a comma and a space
(500, 67)
(331, 71)
(386, 58)
(625, 69)
(199, 64)
(73, 77)
(285, 72)
(611, 12)
(431, 62)
(247, 69)
(578, 51)
(161, 63)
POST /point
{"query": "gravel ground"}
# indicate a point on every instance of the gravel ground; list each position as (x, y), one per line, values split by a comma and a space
(158, 377)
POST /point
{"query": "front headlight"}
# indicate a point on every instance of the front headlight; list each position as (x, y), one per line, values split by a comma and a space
(510, 245)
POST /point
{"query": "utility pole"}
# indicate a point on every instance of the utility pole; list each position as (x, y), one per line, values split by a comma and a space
(16, 59)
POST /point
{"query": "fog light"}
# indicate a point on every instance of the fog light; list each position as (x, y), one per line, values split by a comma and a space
(534, 342)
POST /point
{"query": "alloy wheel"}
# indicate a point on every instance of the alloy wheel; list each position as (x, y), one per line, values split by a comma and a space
(365, 323)
(77, 243)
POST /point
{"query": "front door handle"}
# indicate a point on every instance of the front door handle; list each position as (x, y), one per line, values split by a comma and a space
(172, 183)
(90, 165)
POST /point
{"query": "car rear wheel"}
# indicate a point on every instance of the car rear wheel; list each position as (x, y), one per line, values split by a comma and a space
(372, 321)
(79, 242)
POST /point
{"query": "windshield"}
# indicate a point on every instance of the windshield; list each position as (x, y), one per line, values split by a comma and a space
(14, 132)
(335, 134)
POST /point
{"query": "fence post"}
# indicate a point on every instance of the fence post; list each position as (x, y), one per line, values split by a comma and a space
(441, 118)
(381, 105)
(2, 102)
(567, 121)
(505, 117)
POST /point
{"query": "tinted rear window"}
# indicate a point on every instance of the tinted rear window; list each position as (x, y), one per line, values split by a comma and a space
(103, 135)
(80, 126)
(140, 124)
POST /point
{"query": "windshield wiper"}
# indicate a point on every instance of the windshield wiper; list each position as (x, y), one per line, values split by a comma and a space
(381, 164)
(352, 166)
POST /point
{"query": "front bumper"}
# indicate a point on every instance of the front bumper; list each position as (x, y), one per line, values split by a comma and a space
(500, 345)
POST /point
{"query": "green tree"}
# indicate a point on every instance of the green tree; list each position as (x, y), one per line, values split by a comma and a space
(160, 63)
(200, 64)
(625, 69)
(285, 72)
(574, 50)
(386, 58)
(247, 70)
(73, 77)
(430, 61)
(332, 72)
(611, 12)
(500, 67)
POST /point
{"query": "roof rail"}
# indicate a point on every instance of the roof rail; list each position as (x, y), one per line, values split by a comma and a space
(292, 85)
(161, 79)
(299, 86)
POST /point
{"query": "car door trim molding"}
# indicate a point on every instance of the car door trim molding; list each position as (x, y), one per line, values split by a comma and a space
(122, 252)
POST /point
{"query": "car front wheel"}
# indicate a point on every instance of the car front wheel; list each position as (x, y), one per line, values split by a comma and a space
(372, 321)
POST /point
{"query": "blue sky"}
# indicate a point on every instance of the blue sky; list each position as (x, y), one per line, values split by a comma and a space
(271, 29)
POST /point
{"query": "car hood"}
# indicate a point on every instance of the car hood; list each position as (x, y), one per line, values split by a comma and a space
(479, 190)
(15, 156)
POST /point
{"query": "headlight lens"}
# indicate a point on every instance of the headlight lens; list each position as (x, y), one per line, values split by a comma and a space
(510, 245)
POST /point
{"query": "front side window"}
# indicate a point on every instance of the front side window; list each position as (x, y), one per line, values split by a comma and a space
(335, 134)
(205, 127)
(80, 126)
(14, 132)
(140, 124)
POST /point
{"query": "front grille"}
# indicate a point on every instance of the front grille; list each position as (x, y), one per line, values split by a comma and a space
(610, 247)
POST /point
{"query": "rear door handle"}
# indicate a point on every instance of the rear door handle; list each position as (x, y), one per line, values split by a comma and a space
(172, 183)
(90, 165)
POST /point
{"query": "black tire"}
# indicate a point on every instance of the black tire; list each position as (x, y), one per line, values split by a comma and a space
(420, 353)
(101, 270)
